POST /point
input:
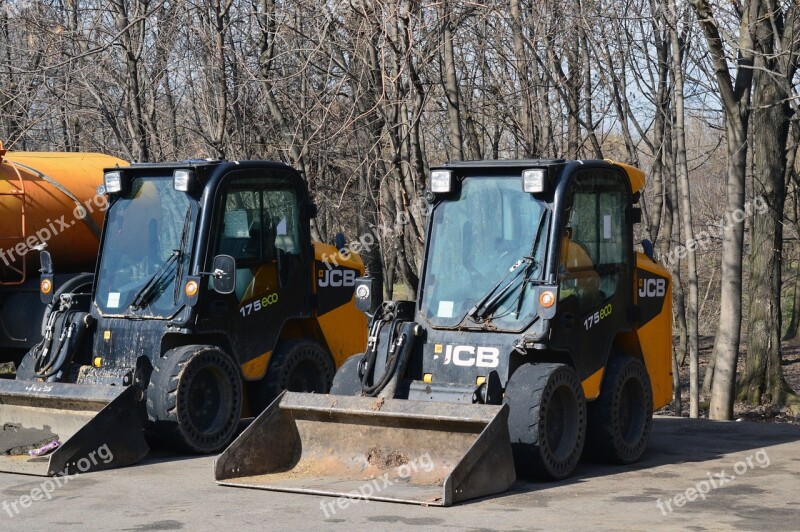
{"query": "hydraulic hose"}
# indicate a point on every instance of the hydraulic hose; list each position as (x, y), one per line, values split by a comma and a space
(53, 354)
(370, 385)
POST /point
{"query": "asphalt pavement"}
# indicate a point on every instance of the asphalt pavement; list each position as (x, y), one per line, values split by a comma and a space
(696, 474)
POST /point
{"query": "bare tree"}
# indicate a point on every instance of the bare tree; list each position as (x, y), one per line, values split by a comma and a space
(777, 62)
(678, 42)
(734, 91)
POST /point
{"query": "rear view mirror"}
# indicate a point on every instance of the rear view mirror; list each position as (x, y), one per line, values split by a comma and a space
(46, 262)
(368, 295)
(224, 274)
(46, 280)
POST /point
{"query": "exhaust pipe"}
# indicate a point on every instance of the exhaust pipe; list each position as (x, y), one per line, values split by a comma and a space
(373, 448)
(97, 427)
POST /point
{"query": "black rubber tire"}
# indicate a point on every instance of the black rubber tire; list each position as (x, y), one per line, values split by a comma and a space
(25, 368)
(194, 399)
(346, 381)
(620, 419)
(546, 421)
(296, 366)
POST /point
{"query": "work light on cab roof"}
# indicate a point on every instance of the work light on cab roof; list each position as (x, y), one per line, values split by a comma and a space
(441, 181)
(534, 180)
(183, 180)
(112, 181)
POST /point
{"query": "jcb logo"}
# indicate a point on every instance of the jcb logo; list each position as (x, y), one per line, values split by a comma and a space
(467, 355)
(337, 278)
(652, 287)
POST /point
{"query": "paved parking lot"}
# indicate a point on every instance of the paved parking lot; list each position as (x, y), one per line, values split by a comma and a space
(696, 474)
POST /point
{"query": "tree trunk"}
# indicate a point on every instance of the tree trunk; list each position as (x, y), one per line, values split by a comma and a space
(726, 344)
(676, 385)
(678, 295)
(659, 129)
(130, 35)
(521, 62)
(793, 332)
(762, 379)
(450, 82)
(735, 95)
(682, 173)
(573, 85)
(587, 93)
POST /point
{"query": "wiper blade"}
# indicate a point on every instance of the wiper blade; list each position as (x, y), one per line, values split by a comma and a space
(143, 295)
(184, 240)
(150, 288)
(534, 249)
(488, 303)
(482, 307)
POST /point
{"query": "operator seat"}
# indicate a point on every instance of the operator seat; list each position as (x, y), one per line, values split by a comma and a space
(579, 275)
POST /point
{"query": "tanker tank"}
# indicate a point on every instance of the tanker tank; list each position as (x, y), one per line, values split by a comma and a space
(46, 198)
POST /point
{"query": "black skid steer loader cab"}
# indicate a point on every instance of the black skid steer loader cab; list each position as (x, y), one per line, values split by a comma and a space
(539, 335)
(209, 299)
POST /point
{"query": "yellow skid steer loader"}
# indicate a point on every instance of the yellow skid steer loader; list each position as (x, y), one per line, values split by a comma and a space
(209, 299)
(539, 335)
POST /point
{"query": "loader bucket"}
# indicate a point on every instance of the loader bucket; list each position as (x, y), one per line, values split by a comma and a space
(372, 448)
(98, 427)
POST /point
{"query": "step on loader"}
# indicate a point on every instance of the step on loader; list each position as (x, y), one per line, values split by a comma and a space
(209, 299)
(539, 335)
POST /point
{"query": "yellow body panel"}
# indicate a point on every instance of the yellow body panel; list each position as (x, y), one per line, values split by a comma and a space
(345, 332)
(635, 176)
(591, 384)
(344, 328)
(256, 368)
(654, 338)
(264, 281)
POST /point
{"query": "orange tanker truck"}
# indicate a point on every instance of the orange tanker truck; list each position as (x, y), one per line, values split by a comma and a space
(47, 199)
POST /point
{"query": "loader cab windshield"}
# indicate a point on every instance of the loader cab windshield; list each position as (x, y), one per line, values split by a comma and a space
(146, 248)
(477, 235)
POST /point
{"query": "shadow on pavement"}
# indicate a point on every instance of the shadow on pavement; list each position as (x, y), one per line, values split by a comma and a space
(679, 441)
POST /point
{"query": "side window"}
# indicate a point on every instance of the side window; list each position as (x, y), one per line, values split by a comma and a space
(593, 247)
(260, 228)
(242, 226)
(281, 222)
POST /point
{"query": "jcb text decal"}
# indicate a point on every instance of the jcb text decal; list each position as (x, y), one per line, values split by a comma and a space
(652, 287)
(336, 278)
(467, 355)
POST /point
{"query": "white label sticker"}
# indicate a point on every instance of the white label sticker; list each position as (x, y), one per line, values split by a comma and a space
(607, 226)
(445, 309)
(113, 299)
(280, 229)
(236, 224)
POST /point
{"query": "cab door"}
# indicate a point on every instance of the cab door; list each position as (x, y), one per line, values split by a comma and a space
(594, 273)
(258, 223)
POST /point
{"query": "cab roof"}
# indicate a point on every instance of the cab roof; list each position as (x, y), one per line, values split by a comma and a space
(635, 176)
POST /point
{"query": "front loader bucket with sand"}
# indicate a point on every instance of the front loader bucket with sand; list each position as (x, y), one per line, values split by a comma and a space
(373, 448)
(98, 427)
